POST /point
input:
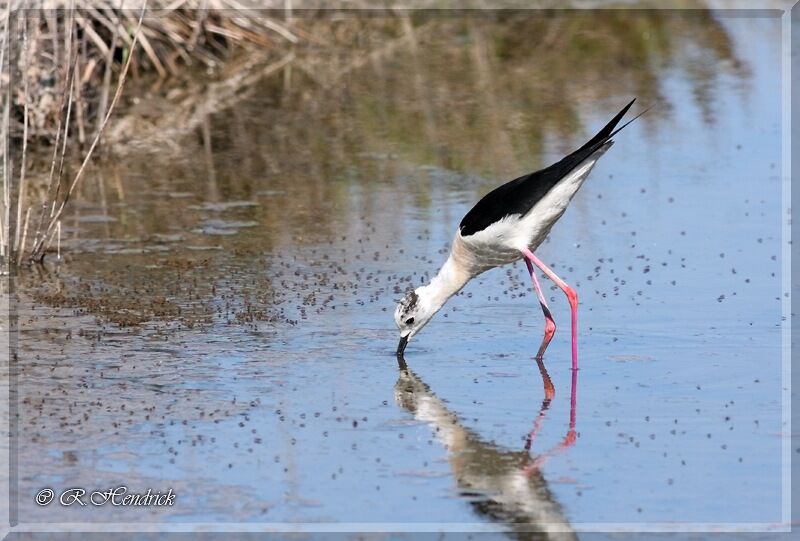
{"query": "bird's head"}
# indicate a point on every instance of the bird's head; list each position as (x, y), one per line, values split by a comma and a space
(411, 314)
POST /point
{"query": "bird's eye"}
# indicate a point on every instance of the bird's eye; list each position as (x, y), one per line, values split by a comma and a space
(410, 321)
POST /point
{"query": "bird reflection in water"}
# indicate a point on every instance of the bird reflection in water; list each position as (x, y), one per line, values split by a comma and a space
(505, 485)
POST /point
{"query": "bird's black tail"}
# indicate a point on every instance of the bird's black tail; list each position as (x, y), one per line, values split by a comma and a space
(597, 142)
(608, 130)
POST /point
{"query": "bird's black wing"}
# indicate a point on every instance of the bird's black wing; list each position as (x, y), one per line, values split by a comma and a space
(521, 194)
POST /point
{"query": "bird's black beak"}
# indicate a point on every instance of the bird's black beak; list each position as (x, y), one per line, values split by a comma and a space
(401, 347)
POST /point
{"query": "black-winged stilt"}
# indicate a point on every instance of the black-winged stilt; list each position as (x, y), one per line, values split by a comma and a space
(508, 224)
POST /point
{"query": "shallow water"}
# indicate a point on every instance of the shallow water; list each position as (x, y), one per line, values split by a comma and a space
(223, 323)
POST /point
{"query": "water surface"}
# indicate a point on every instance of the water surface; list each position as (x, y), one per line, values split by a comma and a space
(222, 325)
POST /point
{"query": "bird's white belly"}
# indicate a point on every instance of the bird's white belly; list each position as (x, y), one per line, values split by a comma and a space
(489, 257)
(479, 253)
(502, 242)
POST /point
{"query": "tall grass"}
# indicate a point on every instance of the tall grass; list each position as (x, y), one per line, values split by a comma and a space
(63, 66)
(14, 248)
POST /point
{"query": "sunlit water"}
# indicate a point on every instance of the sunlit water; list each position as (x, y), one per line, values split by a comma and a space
(257, 378)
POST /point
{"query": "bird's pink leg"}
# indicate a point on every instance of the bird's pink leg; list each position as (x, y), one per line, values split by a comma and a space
(549, 324)
(572, 297)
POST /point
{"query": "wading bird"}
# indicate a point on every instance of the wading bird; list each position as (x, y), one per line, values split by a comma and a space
(508, 224)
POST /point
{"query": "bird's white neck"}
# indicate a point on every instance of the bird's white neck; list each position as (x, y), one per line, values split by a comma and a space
(449, 281)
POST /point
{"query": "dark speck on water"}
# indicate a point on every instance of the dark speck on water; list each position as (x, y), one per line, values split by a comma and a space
(218, 294)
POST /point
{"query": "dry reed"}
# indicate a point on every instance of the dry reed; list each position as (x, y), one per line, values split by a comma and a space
(57, 68)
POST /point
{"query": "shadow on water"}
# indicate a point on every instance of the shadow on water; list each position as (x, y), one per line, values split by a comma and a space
(505, 485)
